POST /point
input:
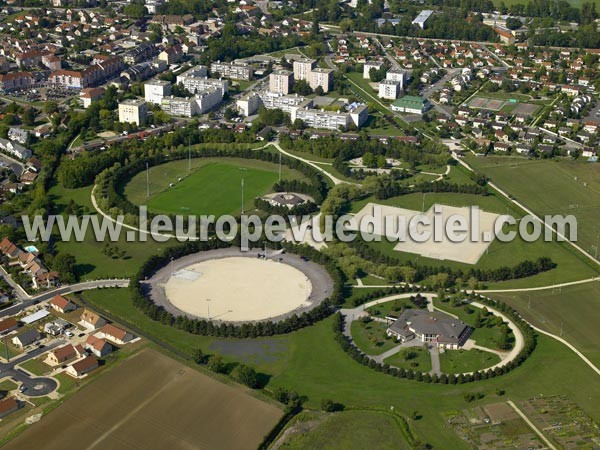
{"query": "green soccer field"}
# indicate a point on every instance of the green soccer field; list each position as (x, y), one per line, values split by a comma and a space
(214, 185)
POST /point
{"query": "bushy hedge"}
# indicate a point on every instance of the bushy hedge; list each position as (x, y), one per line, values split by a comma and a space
(523, 269)
(529, 336)
(246, 330)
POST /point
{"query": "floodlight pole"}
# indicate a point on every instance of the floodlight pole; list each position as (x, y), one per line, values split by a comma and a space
(189, 156)
(242, 195)
(147, 180)
(208, 307)
(280, 167)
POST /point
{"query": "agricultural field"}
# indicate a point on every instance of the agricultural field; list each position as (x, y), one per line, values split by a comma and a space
(561, 187)
(168, 406)
(212, 187)
(464, 361)
(495, 426)
(348, 430)
(572, 312)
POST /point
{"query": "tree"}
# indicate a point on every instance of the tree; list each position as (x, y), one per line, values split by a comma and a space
(28, 117)
(50, 107)
(64, 264)
(216, 364)
(512, 23)
(246, 375)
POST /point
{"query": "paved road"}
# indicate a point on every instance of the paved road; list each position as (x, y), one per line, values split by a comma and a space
(16, 166)
(35, 386)
(83, 286)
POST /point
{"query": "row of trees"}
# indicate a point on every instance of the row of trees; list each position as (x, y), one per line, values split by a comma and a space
(246, 330)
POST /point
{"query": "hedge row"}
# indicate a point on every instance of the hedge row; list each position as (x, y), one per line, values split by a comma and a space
(528, 334)
(246, 330)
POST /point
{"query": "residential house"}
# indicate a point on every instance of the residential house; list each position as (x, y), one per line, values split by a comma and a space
(8, 405)
(61, 354)
(98, 346)
(116, 334)
(82, 367)
(61, 304)
(91, 320)
(7, 325)
(26, 338)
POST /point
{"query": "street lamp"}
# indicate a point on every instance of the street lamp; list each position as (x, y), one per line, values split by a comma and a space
(208, 307)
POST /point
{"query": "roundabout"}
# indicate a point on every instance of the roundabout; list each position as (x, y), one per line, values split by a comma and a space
(228, 285)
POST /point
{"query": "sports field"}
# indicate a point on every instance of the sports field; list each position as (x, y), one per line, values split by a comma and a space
(153, 402)
(551, 187)
(214, 185)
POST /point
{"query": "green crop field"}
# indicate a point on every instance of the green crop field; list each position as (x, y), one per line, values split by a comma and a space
(572, 311)
(348, 430)
(213, 187)
(551, 187)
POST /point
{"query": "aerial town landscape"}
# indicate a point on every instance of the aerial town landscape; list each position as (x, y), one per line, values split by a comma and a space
(373, 119)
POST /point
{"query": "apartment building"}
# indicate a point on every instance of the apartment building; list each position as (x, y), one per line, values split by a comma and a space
(238, 71)
(320, 77)
(389, 89)
(302, 68)
(280, 81)
(248, 104)
(355, 114)
(195, 80)
(156, 90)
(201, 103)
(133, 111)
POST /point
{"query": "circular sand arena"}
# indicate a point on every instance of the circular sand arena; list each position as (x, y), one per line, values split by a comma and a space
(238, 289)
(227, 285)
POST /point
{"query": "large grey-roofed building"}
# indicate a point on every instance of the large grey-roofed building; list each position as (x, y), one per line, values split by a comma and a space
(427, 326)
(422, 18)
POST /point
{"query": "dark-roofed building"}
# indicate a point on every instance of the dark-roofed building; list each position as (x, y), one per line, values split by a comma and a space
(7, 325)
(8, 405)
(426, 326)
(80, 368)
(26, 338)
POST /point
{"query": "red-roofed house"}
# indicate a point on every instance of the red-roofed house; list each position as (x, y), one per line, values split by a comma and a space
(116, 334)
(61, 304)
(61, 354)
(80, 368)
(97, 346)
(7, 325)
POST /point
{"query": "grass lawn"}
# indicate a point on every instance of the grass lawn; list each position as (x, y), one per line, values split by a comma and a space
(213, 187)
(394, 307)
(7, 385)
(415, 358)
(462, 361)
(484, 336)
(571, 266)
(561, 187)
(572, 311)
(370, 337)
(36, 367)
(348, 430)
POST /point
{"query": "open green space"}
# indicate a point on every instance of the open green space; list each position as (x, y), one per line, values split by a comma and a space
(370, 336)
(348, 430)
(315, 366)
(550, 187)
(36, 367)
(394, 307)
(7, 385)
(414, 358)
(212, 187)
(572, 312)
(464, 361)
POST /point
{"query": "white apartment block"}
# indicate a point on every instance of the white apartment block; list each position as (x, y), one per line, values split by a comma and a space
(286, 103)
(389, 89)
(371, 65)
(331, 120)
(248, 104)
(302, 68)
(156, 90)
(133, 111)
(321, 77)
(201, 103)
(238, 71)
(280, 81)
(397, 75)
(198, 84)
